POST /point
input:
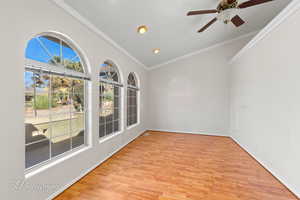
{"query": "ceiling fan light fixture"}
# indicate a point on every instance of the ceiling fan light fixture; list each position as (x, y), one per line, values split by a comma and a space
(156, 51)
(226, 15)
(142, 29)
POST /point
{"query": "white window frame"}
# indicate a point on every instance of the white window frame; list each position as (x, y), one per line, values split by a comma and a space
(60, 70)
(120, 96)
(136, 88)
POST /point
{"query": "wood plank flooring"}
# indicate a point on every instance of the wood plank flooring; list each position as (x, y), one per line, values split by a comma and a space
(171, 166)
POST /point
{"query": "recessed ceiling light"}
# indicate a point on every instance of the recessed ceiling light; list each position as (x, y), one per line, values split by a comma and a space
(156, 51)
(142, 29)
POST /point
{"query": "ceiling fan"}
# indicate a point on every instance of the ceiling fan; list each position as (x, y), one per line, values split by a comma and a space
(226, 12)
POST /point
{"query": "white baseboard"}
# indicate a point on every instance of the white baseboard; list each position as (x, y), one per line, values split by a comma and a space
(201, 132)
(272, 171)
(52, 196)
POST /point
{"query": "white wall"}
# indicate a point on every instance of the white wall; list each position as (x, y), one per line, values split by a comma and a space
(192, 94)
(20, 20)
(265, 101)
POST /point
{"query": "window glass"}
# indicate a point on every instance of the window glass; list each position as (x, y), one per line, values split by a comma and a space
(132, 95)
(51, 50)
(35, 51)
(54, 100)
(109, 99)
(131, 80)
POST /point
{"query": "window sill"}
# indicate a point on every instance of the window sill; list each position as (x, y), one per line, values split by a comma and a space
(132, 126)
(55, 161)
(108, 137)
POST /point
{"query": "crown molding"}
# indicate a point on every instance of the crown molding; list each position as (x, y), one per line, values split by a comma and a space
(280, 18)
(92, 27)
(203, 50)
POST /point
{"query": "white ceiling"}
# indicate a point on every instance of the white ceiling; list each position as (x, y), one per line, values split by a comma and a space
(169, 27)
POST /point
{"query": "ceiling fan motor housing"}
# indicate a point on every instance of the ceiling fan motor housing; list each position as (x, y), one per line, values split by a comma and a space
(227, 4)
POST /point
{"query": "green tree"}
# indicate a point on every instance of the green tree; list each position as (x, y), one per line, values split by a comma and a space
(61, 87)
(76, 66)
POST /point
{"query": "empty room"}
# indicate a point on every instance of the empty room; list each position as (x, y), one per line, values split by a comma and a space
(150, 100)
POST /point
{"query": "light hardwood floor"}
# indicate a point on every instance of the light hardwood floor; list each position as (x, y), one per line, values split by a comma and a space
(171, 166)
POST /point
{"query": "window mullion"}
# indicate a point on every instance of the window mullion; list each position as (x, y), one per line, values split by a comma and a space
(113, 109)
(45, 48)
(85, 107)
(127, 103)
(50, 115)
(104, 85)
(70, 113)
(61, 52)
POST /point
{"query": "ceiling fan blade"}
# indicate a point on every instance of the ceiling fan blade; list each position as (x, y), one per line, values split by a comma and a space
(237, 21)
(208, 25)
(200, 12)
(252, 3)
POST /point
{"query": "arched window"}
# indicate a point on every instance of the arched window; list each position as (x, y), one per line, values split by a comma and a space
(132, 100)
(110, 99)
(55, 98)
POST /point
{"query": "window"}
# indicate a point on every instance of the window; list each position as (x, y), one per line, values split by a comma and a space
(132, 100)
(55, 99)
(109, 99)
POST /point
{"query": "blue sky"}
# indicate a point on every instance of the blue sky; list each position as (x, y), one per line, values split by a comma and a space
(35, 51)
